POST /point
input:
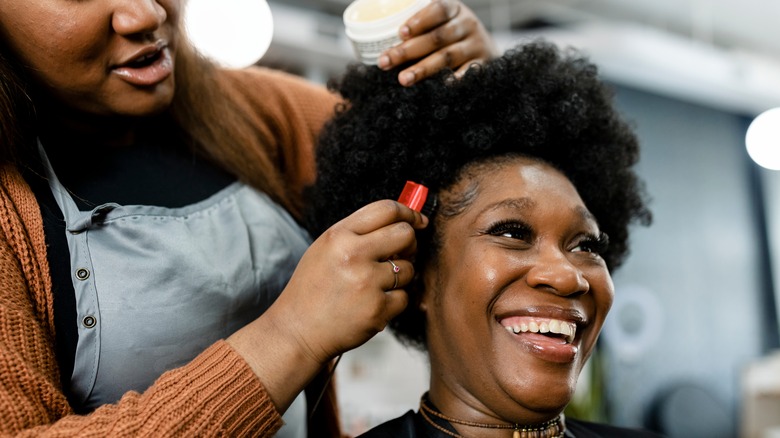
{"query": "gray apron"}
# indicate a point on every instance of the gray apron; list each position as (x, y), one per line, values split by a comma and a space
(156, 286)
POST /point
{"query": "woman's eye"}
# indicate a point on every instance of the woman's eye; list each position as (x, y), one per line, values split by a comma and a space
(511, 230)
(593, 244)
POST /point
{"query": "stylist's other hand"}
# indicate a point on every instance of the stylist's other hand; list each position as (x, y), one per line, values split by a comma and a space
(444, 34)
(343, 291)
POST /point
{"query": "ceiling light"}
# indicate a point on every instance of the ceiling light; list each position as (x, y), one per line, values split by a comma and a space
(763, 139)
(233, 33)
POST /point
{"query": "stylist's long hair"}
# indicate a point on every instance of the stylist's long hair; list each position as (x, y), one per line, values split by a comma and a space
(16, 112)
(219, 128)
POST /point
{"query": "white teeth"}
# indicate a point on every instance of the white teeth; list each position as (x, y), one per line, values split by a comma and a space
(567, 329)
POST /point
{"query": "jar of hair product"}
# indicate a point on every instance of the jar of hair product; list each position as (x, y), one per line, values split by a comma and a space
(373, 25)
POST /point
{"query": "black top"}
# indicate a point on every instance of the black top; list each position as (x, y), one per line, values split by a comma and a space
(413, 425)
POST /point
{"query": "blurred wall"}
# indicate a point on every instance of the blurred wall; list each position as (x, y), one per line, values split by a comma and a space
(689, 307)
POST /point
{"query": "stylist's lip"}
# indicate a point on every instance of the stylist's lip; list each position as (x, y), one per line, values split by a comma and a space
(146, 67)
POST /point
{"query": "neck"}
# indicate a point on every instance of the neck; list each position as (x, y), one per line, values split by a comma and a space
(467, 426)
(58, 120)
(91, 129)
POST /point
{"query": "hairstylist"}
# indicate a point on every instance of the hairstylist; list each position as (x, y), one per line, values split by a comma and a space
(148, 217)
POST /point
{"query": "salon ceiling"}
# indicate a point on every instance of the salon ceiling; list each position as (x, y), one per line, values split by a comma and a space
(721, 53)
(750, 25)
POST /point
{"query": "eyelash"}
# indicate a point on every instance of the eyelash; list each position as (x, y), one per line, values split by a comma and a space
(518, 230)
(510, 227)
(595, 244)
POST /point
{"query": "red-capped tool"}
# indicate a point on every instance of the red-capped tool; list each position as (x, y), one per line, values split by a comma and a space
(415, 196)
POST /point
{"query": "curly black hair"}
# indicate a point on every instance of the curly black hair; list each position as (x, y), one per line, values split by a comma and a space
(535, 101)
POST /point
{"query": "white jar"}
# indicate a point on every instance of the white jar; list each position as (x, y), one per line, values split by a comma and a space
(373, 25)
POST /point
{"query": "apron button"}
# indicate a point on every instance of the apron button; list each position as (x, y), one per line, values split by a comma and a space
(89, 321)
(82, 274)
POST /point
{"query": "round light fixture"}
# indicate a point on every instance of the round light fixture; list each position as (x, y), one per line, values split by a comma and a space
(233, 33)
(763, 139)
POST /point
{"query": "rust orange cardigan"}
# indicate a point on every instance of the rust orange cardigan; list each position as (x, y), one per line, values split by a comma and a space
(216, 394)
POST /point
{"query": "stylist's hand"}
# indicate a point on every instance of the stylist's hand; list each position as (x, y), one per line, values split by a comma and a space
(341, 294)
(444, 34)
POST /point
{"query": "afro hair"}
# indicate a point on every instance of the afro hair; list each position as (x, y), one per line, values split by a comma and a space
(535, 101)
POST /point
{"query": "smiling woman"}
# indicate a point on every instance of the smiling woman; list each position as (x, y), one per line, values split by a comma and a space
(532, 172)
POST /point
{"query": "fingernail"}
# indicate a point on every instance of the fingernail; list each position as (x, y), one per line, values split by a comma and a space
(405, 32)
(406, 78)
(384, 61)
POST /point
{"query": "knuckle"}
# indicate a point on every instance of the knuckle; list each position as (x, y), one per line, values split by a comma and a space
(449, 8)
(448, 58)
(438, 37)
(398, 52)
(331, 235)
(347, 258)
(405, 231)
(389, 207)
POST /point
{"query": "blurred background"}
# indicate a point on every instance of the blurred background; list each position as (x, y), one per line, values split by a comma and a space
(690, 346)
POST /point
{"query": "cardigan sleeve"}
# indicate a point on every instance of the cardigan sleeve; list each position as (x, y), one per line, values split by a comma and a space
(216, 394)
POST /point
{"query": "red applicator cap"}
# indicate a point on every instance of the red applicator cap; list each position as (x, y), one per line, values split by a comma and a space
(414, 196)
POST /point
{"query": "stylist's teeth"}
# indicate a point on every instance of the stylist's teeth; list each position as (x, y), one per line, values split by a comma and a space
(510, 329)
(555, 326)
(544, 328)
(533, 327)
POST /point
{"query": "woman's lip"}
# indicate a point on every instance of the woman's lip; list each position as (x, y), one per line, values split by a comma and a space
(547, 312)
(147, 75)
(547, 349)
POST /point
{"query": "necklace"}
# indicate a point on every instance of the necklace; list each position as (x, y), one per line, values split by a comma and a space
(554, 428)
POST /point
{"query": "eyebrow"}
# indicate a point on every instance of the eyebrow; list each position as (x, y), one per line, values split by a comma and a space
(528, 203)
(514, 203)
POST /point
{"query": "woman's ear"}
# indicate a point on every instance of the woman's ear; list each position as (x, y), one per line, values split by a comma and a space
(428, 287)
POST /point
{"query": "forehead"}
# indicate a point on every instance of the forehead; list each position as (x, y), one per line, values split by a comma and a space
(512, 183)
(512, 176)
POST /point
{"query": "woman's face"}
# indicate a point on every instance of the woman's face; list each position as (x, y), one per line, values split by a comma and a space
(520, 260)
(97, 56)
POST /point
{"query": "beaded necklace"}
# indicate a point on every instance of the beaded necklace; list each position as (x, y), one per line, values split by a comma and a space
(554, 428)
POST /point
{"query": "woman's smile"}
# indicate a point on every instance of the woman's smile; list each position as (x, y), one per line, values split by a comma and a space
(550, 334)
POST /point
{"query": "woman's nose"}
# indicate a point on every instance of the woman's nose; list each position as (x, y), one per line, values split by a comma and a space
(138, 17)
(551, 269)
